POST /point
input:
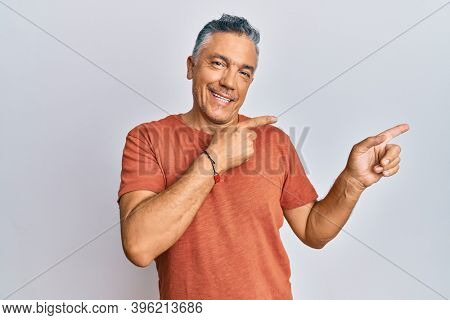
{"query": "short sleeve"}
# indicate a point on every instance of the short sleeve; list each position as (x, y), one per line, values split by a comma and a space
(297, 189)
(140, 167)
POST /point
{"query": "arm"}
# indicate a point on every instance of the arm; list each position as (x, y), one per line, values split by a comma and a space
(158, 221)
(330, 214)
(319, 222)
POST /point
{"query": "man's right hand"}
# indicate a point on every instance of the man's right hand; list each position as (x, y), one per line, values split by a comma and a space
(232, 146)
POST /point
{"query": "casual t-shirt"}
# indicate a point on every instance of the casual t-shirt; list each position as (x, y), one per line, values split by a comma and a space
(232, 249)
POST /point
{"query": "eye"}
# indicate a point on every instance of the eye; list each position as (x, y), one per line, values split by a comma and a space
(245, 74)
(217, 63)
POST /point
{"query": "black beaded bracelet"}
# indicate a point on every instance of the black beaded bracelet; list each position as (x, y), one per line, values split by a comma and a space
(213, 163)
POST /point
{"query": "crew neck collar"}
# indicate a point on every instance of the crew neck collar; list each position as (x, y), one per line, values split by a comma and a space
(181, 120)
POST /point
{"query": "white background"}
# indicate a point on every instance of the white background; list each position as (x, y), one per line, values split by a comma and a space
(63, 123)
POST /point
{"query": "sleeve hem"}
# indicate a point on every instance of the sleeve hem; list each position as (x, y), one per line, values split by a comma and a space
(136, 187)
(299, 202)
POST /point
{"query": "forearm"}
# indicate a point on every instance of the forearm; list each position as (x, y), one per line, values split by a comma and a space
(158, 222)
(330, 214)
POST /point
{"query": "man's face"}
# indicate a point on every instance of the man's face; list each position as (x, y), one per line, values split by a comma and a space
(222, 75)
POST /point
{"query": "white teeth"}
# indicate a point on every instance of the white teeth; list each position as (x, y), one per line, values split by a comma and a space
(221, 98)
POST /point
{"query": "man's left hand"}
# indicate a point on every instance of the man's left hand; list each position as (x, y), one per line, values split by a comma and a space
(374, 158)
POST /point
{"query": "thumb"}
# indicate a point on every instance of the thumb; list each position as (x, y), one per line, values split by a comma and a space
(370, 142)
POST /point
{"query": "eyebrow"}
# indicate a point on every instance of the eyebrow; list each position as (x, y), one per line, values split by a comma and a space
(228, 60)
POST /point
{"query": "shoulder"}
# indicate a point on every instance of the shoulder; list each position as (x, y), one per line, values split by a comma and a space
(146, 130)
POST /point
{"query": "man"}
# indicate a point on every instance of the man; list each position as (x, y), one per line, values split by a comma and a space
(204, 193)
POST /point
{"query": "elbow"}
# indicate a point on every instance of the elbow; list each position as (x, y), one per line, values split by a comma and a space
(317, 245)
(138, 257)
(141, 262)
(134, 250)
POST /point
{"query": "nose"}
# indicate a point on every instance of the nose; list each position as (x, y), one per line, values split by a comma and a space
(228, 79)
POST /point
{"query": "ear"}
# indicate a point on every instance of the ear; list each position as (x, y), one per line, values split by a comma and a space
(190, 67)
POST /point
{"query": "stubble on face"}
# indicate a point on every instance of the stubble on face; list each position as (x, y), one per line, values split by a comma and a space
(222, 76)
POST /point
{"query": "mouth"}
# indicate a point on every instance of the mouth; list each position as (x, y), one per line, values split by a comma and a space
(221, 99)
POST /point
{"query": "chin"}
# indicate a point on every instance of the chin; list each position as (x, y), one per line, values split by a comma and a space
(218, 116)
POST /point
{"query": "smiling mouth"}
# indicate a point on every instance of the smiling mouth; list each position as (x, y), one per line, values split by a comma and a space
(223, 100)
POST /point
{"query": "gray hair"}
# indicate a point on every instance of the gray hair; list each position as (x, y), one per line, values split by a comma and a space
(226, 23)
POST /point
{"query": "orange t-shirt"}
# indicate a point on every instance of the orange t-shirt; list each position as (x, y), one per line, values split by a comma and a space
(232, 249)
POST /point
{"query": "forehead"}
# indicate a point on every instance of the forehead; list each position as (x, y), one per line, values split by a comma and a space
(239, 48)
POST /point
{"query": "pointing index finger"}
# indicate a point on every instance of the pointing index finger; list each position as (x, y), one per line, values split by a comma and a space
(394, 131)
(257, 121)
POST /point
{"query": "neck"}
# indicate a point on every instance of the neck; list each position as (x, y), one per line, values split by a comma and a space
(195, 119)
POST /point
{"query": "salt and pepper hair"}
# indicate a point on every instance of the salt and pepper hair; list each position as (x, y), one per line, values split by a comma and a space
(226, 23)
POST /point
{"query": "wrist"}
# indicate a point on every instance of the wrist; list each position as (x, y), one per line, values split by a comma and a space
(351, 182)
(215, 158)
(202, 166)
(213, 166)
